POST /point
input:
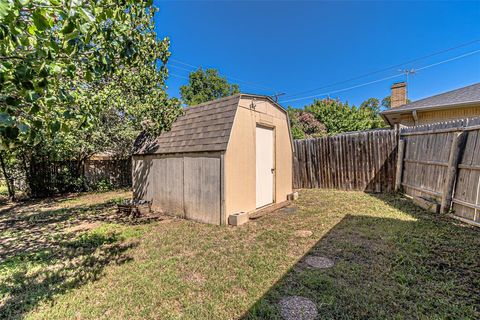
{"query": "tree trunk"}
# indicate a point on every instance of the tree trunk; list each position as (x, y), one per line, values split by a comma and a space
(8, 179)
(26, 170)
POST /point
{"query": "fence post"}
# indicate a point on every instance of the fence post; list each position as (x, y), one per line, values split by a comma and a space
(455, 155)
(400, 155)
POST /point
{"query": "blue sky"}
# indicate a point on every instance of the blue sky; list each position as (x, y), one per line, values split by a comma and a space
(293, 47)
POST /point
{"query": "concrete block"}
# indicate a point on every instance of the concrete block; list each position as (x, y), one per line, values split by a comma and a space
(427, 204)
(292, 196)
(238, 219)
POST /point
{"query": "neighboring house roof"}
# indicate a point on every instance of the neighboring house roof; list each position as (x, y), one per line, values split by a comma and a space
(204, 127)
(463, 96)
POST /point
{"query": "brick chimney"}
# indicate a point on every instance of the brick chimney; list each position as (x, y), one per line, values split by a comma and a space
(399, 94)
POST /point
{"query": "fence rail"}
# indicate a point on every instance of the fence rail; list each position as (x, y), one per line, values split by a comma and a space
(440, 163)
(355, 161)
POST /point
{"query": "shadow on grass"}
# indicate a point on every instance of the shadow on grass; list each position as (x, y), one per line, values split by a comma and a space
(34, 278)
(425, 266)
(44, 253)
(41, 230)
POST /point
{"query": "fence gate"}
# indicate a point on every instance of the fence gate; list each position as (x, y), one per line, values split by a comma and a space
(439, 165)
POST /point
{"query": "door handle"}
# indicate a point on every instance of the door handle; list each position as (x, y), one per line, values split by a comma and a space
(272, 170)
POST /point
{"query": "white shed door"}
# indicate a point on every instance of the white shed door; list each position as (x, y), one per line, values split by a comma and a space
(265, 166)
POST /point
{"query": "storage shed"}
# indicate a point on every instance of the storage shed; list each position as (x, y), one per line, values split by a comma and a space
(220, 158)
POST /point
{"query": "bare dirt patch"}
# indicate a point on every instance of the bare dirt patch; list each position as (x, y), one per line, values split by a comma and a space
(303, 233)
(85, 226)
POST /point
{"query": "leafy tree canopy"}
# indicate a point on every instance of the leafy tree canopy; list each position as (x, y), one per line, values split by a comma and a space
(304, 125)
(59, 60)
(372, 104)
(206, 85)
(79, 77)
(333, 117)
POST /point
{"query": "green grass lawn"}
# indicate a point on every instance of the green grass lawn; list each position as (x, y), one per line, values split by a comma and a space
(75, 258)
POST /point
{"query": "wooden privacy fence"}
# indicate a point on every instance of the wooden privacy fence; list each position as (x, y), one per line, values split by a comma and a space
(439, 165)
(53, 177)
(117, 172)
(354, 161)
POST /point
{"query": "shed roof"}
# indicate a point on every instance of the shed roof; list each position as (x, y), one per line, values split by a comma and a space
(462, 96)
(204, 127)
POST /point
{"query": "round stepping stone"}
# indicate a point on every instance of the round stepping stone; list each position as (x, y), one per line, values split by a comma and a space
(288, 210)
(319, 262)
(303, 233)
(297, 308)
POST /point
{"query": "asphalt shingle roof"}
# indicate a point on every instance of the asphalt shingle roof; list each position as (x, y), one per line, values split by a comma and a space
(205, 127)
(465, 95)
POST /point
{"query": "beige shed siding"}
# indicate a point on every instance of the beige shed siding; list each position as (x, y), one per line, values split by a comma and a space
(186, 185)
(240, 161)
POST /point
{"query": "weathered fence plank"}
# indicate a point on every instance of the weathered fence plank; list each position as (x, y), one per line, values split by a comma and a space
(454, 158)
(441, 164)
(354, 161)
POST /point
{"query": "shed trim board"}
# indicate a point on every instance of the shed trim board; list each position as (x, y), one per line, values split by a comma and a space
(223, 214)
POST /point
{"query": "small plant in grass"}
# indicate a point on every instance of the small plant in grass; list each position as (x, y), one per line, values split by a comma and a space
(103, 186)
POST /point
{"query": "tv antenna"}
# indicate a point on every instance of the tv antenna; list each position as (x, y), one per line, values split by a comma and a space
(408, 73)
(276, 95)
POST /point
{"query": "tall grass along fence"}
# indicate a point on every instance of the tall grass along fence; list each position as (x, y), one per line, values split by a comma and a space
(439, 166)
(363, 161)
(48, 178)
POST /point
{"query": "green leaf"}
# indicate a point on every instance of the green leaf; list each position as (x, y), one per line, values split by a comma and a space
(12, 101)
(23, 127)
(68, 115)
(55, 126)
(65, 128)
(42, 83)
(32, 96)
(40, 21)
(87, 15)
(3, 31)
(68, 27)
(5, 7)
(37, 124)
(34, 109)
(27, 85)
(12, 132)
(88, 76)
(5, 119)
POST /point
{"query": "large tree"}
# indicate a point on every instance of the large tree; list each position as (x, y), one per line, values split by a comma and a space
(71, 71)
(206, 85)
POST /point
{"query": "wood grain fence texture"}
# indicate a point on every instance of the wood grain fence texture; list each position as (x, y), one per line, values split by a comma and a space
(363, 161)
(56, 177)
(441, 164)
(117, 172)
